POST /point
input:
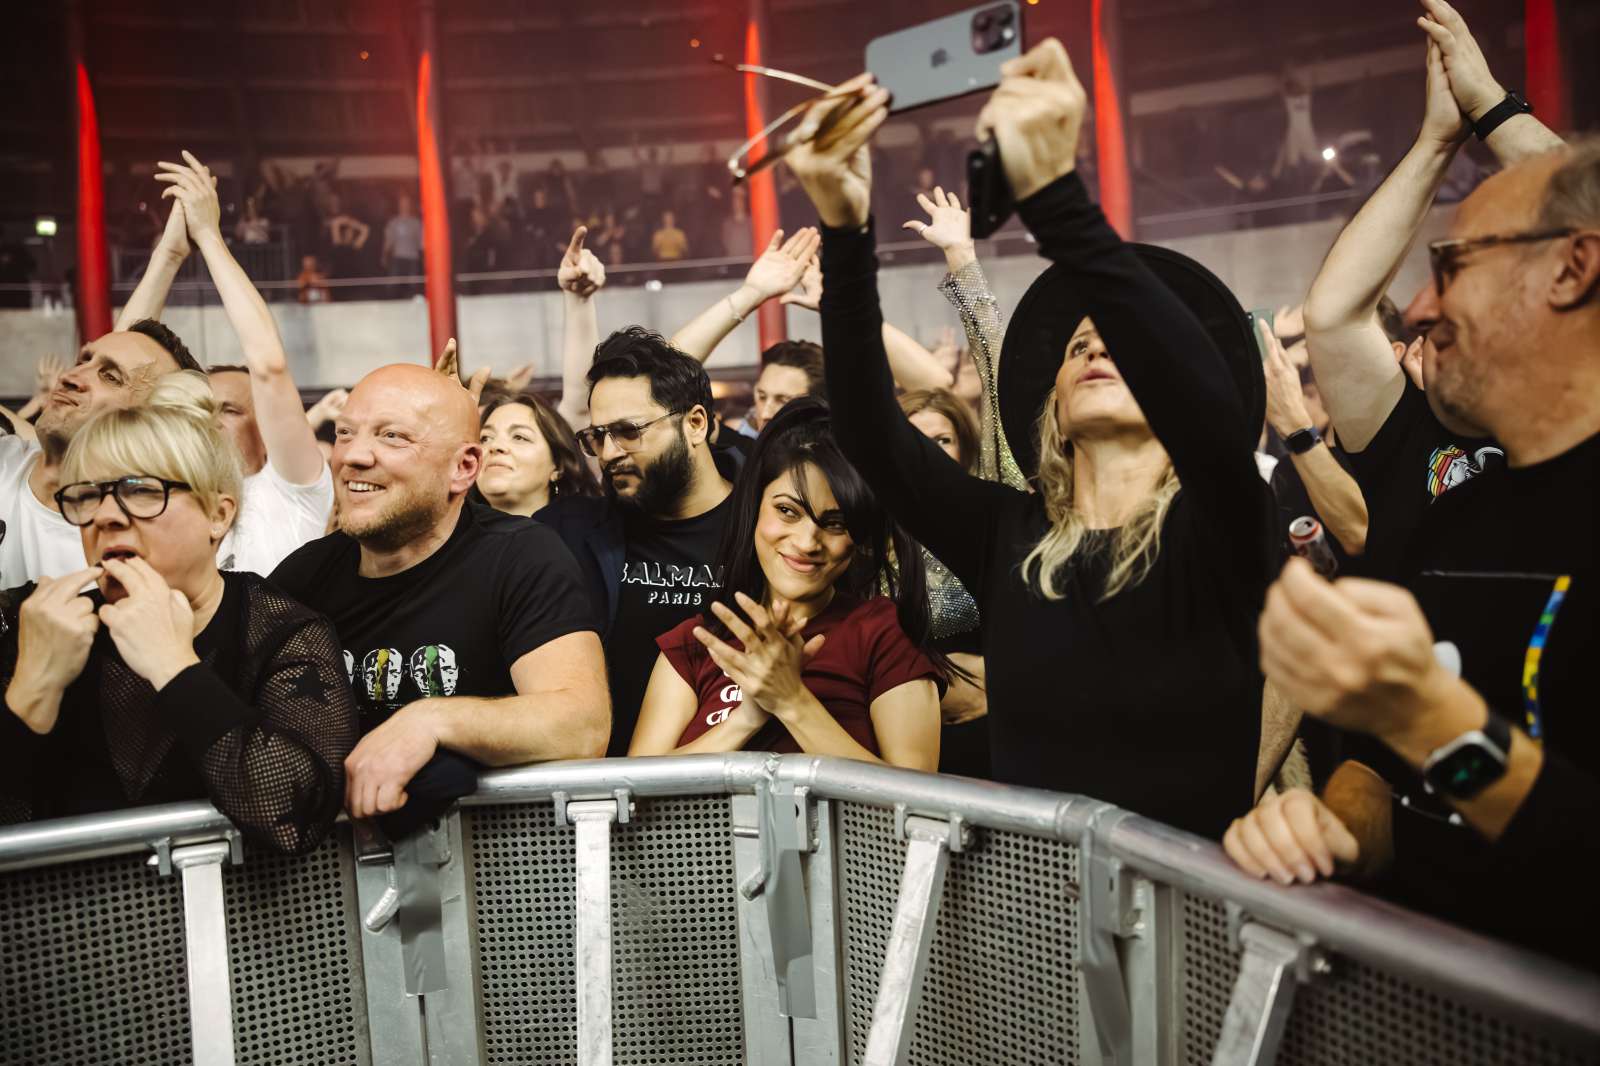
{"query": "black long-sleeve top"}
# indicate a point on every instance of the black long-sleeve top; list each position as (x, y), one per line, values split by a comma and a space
(1152, 699)
(260, 726)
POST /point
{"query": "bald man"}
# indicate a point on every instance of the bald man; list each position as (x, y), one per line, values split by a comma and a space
(465, 630)
(113, 371)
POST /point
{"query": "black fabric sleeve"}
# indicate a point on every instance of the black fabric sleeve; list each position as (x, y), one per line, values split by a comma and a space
(945, 509)
(1171, 366)
(273, 764)
(541, 591)
(1556, 818)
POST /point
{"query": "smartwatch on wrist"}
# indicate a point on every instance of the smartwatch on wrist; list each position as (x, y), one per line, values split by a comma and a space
(1471, 762)
(1512, 105)
(1302, 440)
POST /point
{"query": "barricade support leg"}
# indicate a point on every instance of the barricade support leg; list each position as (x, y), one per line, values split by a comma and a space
(205, 935)
(593, 820)
(1263, 996)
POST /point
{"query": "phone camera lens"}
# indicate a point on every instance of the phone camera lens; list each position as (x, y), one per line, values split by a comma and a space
(981, 22)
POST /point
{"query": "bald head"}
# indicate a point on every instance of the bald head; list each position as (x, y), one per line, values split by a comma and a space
(435, 397)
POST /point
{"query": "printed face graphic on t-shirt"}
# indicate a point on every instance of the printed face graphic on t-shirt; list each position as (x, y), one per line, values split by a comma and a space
(380, 674)
(434, 671)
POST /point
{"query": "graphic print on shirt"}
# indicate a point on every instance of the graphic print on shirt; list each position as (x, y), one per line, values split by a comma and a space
(380, 675)
(670, 585)
(434, 670)
(731, 696)
(1449, 466)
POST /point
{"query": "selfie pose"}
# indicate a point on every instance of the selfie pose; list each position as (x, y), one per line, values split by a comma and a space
(1120, 598)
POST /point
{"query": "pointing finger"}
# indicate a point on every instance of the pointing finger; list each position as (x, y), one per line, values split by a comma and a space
(575, 246)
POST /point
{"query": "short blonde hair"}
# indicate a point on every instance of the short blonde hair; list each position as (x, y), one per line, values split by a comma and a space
(175, 434)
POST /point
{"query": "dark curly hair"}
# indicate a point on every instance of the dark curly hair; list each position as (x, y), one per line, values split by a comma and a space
(168, 340)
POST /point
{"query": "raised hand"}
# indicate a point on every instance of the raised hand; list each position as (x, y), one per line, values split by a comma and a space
(1442, 121)
(449, 363)
(328, 408)
(830, 156)
(1035, 115)
(581, 273)
(1470, 80)
(1286, 402)
(780, 268)
(153, 625)
(174, 240)
(55, 630)
(191, 184)
(46, 374)
(768, 668)
(809, 294)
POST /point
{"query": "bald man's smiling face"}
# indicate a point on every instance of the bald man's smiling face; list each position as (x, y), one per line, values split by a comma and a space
(405, 450)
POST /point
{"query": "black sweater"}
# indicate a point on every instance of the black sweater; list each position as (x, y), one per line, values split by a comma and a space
(260, 726)
(1152, 699)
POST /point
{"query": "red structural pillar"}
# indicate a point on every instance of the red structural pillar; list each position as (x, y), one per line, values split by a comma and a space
(1111, 146)
(1547, 82)
(435, 200)
(772, 321)
(92, 297)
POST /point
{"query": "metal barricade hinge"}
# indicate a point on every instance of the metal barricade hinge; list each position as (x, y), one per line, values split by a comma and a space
(166, 860)
(1272, 966)
(620, 797)
(1311, 961)
(959, 834)
(795, 835)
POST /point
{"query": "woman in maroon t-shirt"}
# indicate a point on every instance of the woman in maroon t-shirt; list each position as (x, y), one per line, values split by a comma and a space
(813, 659)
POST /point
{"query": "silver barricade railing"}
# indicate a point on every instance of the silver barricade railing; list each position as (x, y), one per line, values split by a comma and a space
(743, 908)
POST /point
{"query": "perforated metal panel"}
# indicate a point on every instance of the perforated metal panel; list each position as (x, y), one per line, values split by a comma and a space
(92, 966)
(1000, 987)
(674, 934)
(1357, 1015)
(295, 954)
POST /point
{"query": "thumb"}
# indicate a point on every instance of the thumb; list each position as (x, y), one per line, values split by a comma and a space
(914, 226)
(476, 383)
(812, 646)
(180, 605)
(1340, 840)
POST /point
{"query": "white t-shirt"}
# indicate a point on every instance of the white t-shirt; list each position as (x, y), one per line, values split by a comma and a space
(275, 518)
(38, 543)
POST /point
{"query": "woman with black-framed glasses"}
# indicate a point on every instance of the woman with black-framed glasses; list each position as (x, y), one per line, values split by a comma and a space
(168, 679)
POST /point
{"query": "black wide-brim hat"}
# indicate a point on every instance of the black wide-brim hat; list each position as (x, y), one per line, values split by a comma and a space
(1049, 312)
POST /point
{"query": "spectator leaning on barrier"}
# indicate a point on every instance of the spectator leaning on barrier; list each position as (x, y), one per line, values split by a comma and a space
(170, 680)
(116, 370)
(467, 633)
(649, 545)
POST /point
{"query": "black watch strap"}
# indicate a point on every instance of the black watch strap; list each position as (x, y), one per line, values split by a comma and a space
(1470, 763)
(1513, 104)
(1302, 440)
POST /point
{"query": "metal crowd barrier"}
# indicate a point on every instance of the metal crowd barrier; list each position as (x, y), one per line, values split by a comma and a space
(746, 908)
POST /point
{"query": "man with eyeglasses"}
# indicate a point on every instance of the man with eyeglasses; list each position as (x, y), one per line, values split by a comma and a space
(116, 370)
(649, 545)
(1476, 679)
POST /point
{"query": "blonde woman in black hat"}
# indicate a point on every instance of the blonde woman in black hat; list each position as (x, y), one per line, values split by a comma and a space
(1119, 599)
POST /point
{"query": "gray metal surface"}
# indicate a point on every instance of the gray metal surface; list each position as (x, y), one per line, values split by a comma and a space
(92, 836)
(675, 942)
(296, 961)
(905, 963)
(91, 966)
(592, 821)
(1001, 983)
(205, 929)
(1262, 998)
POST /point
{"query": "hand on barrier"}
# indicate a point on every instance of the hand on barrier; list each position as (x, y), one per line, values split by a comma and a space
(581, 273)
(1290, 836)
(1462, 61)
(386, 759)
(949, 228)
(1035, 116)
(152, 625)
(782, 266)
(768, 669)
(195, 188)
(833, 164)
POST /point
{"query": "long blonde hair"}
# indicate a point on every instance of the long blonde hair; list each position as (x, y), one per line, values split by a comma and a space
(1133, 545)
(173, 434)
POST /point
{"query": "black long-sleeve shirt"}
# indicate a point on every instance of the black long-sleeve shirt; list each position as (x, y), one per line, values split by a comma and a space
(260, 726)
(1152, 699)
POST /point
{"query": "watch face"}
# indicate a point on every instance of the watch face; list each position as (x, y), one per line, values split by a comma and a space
(1465, 771)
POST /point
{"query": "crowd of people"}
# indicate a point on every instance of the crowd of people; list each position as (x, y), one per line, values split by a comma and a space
(1071, 562)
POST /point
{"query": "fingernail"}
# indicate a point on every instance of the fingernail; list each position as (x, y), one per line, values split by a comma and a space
(1307, 874)
(1285, 878)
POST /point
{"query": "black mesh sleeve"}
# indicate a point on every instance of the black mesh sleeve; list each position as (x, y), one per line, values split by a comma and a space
(275, 765)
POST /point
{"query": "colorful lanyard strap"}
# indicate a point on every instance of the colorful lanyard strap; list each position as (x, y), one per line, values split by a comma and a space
(1530, 662)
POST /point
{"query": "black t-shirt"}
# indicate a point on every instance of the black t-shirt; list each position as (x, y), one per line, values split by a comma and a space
(1412, 461)
(670, 573)
(1506, 572)
(452, 625)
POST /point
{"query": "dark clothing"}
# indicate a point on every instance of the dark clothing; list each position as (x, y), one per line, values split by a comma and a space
(1412, 461)
(1508, 575)
(1151, 699)
(1289, 490)
(867, 654)
(260, 726)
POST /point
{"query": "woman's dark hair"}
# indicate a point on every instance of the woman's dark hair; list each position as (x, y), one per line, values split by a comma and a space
(574, 478)
(946, 403)
(885, 560)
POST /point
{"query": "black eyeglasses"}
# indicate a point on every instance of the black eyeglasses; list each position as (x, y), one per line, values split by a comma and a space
(1445, 256)
(138, 496)
(628, 435)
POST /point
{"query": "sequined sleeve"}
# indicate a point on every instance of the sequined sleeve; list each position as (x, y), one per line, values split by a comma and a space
(968, 291)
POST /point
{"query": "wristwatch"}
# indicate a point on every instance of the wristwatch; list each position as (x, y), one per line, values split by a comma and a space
(1302, 440)
(1513, 104)
(1471, 762)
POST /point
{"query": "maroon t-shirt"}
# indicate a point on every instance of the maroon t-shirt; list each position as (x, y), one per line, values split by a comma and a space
(866, 654)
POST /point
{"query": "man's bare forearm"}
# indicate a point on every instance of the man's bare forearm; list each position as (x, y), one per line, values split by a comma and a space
(149, 297)
(1522, 136)
(580, 334)
(710, 327)
(1335, 497)
(532, 727)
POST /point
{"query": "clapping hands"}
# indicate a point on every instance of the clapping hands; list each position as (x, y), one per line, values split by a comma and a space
(768, 668)
(194, 187)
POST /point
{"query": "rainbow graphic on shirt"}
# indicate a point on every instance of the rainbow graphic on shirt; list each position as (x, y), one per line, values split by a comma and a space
(1530, 661)
(1448, 467)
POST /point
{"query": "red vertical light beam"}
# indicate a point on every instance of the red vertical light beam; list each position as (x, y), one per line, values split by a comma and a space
(763, 193)
(93, 297)
(1546, 73)
(437, 267)
(1111, 146)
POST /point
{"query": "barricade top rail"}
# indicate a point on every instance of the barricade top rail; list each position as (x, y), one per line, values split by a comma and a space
(1477, 970)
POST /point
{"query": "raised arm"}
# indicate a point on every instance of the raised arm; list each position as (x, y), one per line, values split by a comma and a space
(149, 297)
(580, 276)
(291, 443)
(774, 273)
